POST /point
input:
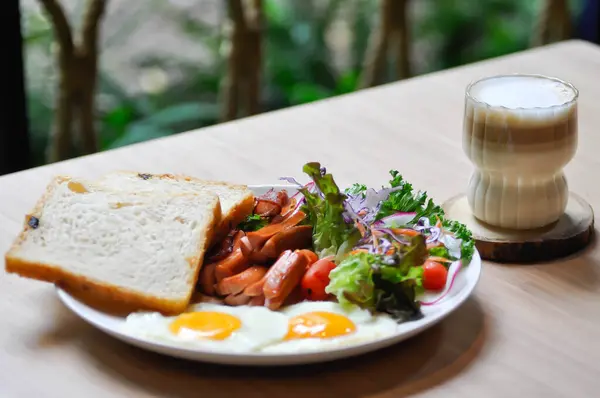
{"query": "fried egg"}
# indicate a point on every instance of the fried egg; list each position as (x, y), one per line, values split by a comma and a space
(319, 325)
(213, 327)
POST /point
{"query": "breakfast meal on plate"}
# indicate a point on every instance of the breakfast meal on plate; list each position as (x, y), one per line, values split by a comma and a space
(210, 265)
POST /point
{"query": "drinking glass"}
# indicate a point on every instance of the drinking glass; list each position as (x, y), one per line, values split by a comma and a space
(519, 132)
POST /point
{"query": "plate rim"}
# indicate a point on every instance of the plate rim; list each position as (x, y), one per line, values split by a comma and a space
(91, 316)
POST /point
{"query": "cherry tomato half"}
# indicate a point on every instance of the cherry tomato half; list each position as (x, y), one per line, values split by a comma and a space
(434, 275)
(316, 279)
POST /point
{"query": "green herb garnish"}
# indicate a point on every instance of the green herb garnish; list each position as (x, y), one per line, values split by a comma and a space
(253, 222)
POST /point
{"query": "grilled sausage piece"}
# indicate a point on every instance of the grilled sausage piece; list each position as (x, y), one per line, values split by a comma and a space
(208, 279)
(235, 300)
(258, 238)
(267, 208)
(298, 237)
(231, 265)
(283, 277)
(237, 283)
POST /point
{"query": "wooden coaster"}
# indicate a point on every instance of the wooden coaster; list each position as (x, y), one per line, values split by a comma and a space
(572, 232)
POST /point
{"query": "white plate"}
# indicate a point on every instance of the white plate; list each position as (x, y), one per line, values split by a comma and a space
(464, 284)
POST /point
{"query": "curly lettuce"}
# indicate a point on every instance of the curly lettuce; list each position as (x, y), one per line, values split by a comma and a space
(405, 199)
(325, 212)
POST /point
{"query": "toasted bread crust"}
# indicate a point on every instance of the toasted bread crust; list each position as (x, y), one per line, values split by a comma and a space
(36, 212)
(228, 220)
(93, 291)
(234, 216)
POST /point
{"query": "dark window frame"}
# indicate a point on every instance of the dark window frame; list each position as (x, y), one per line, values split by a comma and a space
(14, 138)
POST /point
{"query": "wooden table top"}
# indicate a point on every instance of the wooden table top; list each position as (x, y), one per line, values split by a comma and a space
(528, 331)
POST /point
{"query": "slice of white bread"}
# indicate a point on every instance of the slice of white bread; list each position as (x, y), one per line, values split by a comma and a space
(138, 249)
(237, 201)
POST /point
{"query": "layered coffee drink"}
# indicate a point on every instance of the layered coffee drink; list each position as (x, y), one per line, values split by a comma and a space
(519, 131)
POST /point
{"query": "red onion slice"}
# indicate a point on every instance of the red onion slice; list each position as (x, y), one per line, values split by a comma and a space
(269, 195)
(398, 219)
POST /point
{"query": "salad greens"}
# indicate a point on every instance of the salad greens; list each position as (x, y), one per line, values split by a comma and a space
(404, 199)
(324, 210)
(356, 189)
(380, 241)
(441, 252)
(387, 282)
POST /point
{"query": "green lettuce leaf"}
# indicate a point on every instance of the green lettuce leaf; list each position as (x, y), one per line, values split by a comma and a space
(352, 280)
(382, 283)
(331, 234)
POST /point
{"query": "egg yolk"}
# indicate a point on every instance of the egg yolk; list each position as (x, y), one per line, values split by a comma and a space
(319, 325)
(206, 325)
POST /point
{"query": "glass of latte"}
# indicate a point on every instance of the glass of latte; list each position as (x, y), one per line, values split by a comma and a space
(520, 131)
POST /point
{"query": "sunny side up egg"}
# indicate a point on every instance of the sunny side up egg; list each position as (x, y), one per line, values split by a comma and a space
(302, 327)
(321, 325)
(213, 327)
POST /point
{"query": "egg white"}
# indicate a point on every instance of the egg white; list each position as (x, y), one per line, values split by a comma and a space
(260, 327)
(264, 330)
(369, 327)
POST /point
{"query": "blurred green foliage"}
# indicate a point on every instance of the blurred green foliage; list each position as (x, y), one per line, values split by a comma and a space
(300, 63)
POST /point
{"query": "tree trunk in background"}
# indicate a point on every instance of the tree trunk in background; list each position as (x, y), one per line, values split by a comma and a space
(231, 83)
(402, 40)
(392, 33)
(553, 23)
(241, 86)
(88, 60)
(77, 68)
(254, 56)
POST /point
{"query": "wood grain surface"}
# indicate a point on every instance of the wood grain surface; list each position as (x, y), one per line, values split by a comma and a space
(528, 331)
(570, 234)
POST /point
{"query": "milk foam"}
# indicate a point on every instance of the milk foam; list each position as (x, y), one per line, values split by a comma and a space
(522, 92)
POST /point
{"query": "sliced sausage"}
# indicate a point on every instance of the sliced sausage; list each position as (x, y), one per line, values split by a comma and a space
(253, 255)
(203, 298)
(310, 255)
(267, 208)
(235, 300)
(282, 197)
(298, 237)
(283, 277)
(231, 265)
(224, 248)
(295, 296)
(208, 279)
(276, 220)
(237, 240)
(245, 246)
(258, 238)
(289, 207)
(237, 283)
(257, 301)
(255, 289)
